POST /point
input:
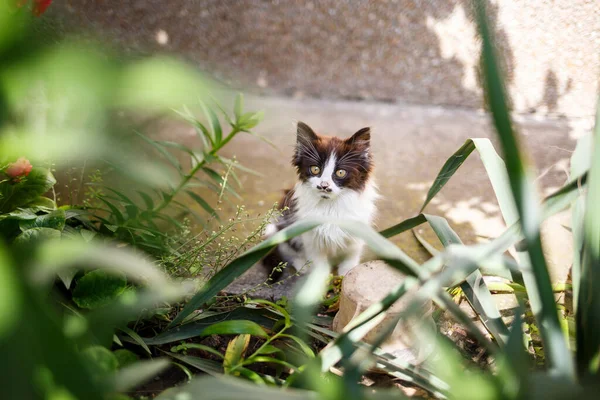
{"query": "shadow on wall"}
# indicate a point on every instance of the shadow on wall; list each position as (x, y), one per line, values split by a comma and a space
(412, 51)
(331, 49)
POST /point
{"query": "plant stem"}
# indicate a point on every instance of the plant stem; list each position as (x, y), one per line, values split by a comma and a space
(167, 200)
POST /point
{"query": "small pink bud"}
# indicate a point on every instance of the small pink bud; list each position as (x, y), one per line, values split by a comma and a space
(19, 169)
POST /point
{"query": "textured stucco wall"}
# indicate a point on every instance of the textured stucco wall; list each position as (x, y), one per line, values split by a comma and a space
(416, 51)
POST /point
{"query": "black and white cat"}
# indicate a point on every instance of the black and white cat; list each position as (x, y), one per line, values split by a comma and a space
(334, 182)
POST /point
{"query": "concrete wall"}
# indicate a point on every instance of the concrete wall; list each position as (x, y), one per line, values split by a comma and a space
(416, 51)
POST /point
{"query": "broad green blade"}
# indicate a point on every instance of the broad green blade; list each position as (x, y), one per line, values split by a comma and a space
(403, 226)
(514, 363)
(538, 285)
(208, 366)
(448, 169)
(239, 327)
(138, 373)
(214, 123)
(581, 161)
(196, 346)
(209, 388)
(196, 328)
(476, 291)
(11, 298)
(588, 309)
(235, 351)
(137, 339)
(496, 171)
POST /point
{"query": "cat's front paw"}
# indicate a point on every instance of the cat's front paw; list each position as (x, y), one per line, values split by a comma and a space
(347, 265)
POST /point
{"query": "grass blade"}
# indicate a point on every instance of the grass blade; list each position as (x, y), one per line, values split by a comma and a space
(210, 367)
(588, 309)
(539, 286)
(136, 338)
(237, 327)
(164, 152)
(138, 373)
(203, 204)
(476, 291)
(196, 346)
(215, 125)
(448, 169)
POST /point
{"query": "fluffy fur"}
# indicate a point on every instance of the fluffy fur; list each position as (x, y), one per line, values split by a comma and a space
(324, 191)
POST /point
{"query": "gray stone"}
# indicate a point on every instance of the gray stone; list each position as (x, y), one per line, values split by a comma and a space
(367, 284)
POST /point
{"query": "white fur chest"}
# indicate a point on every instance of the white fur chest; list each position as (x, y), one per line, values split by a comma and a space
(348, 205)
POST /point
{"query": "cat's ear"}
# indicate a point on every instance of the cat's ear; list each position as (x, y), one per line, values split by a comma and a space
(305, 133)
(362, 137)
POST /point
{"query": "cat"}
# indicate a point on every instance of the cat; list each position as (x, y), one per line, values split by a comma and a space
(335, 181)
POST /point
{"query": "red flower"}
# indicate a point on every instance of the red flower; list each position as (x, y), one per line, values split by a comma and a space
(39, 6)
(19, 169)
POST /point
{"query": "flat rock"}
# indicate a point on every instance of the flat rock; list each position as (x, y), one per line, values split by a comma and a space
(368, 284)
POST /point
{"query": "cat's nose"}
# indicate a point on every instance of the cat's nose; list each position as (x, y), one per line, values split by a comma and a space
(324, 186)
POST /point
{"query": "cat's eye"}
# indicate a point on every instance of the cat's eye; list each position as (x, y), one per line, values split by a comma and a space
(315, 170)
(341, 173)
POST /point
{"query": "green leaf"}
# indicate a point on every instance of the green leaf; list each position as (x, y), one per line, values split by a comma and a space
(215, 125)
(196, 328)
(301, 343)
(29, 189)
(20, 214)
(220, 181)
(581, 160)
(403, 226)
(196, 346)
(238, 109)
(203, 204)
(11, 298)
(125, 357)
(208, 366)
(55, 220)
(236, 327)
(98, 288)
(265, 359)
(514, 363)
(120, 219)
(101, 360)
(250, 120)
(138, 373)
(577, 222)
(588, 308)
(164, 152)
(539, 287)
(476, 291)
(177, 146)
(496, 171)
(213, 388)
(42, 204)
(269, 349)
(235, 352)
(147, 200)
(132, 334)
(35, 234)
(66, 276)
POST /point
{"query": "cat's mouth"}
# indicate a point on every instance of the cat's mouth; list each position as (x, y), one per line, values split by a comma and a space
(325, 197)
